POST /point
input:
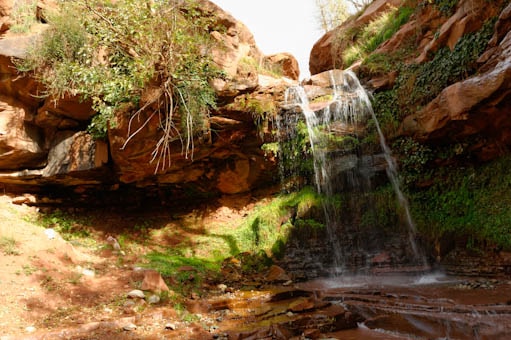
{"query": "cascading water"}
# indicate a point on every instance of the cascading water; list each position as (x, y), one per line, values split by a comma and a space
(342, 119)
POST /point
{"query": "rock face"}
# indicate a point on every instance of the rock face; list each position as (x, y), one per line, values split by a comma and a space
(476, 106)
(286, 63)
(325, 54)
(472, 109)
(43, 141)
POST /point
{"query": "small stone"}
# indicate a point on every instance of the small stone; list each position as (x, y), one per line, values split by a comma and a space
(50, 233)
(222, 287)
(288, 283)
(129, 303)
(129, 327)
(289, 314)
(153, 299)
(30, 329)
(136, 294)
(170, 326)
(88, 273)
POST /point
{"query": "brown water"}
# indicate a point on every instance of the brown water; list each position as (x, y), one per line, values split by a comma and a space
(375, 307)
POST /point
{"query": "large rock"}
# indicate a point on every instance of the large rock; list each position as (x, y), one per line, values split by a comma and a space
(235, 52)
(326, 52)
(285, 63)
(20, 142)
(12, 84)
(58, 151)
(5, 11)
(74, 158)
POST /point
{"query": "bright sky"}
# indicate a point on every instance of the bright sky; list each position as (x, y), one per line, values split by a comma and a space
(279, 26)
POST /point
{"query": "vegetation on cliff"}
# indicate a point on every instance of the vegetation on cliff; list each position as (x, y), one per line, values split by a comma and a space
(451, 193)
(131, 56)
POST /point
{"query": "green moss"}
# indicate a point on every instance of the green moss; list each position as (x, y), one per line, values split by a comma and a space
(472, 202)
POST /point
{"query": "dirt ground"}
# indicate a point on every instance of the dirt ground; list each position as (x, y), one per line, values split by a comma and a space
(58, 289)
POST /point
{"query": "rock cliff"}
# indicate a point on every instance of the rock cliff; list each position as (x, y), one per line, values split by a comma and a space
(472, 107)
(44, 143)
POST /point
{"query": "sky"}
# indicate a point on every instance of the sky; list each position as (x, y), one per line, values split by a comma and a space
(279, 26)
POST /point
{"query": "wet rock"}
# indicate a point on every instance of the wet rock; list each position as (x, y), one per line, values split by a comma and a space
(290, 294)
(277, 274)
(301, 304)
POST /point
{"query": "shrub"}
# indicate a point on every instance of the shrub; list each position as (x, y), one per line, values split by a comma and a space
(108, 52)
(23, 16)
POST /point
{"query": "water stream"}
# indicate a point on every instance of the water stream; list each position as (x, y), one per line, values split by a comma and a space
(342, 118)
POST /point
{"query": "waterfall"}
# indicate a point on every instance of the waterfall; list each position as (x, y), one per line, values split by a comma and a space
(344, 116)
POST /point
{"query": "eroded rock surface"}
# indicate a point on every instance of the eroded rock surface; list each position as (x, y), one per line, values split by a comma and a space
(44, 140)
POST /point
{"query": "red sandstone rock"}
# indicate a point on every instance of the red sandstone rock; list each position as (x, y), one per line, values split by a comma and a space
(285, 63)
(276, 274)
(154, 282)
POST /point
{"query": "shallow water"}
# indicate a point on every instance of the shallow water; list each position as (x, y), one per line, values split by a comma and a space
(392, 306)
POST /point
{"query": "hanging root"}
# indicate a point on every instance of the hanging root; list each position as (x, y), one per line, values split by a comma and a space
(166, 108)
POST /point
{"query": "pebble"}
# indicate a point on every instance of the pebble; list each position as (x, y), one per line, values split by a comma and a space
(153, 299)
(88, 273)
(30, 329)
(136, 293)
(170, 326)
(50, 233)
(129, 327)
(222, 287)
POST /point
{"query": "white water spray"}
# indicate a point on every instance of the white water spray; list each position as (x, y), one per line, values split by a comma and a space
(350, 106)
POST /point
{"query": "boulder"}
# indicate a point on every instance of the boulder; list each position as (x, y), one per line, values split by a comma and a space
(285, 63)
(20, 87)
(75, 152)
(277, 274)
(21, 143)
(235, 52)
